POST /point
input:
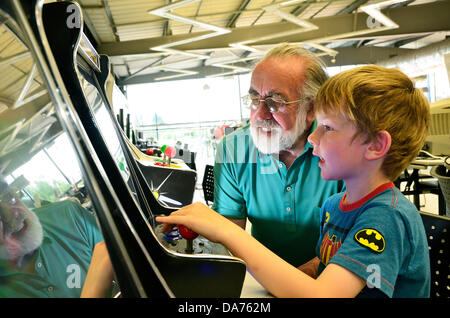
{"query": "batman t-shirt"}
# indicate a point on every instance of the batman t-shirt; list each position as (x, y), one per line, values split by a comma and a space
(381, 239)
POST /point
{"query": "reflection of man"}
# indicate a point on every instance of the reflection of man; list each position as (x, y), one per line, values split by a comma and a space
(47, 252)
(266, 171)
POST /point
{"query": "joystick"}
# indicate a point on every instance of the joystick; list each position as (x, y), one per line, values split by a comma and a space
(170, 152)
(189, 235)
(163, 149)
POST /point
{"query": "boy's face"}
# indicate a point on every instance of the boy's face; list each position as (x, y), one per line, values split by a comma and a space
(341, 154)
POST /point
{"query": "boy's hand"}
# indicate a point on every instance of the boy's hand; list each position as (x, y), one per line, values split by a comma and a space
(200, 219)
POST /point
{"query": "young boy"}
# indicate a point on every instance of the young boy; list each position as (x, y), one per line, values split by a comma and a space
(371, 123)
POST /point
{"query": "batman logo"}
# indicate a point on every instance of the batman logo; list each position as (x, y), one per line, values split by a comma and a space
(372, 239)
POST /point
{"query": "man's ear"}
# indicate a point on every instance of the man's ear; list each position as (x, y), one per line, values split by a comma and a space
(379, 147)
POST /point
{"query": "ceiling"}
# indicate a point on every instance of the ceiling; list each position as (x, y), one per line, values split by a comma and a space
(27, 115)
(171, 44)
(155, 40)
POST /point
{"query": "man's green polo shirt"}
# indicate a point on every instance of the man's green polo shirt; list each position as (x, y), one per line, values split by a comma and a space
(62, 261)
(283, 205)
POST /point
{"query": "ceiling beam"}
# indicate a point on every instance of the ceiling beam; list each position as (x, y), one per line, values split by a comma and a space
(346, 56)
(232, 22)
(111, 22)
(197, 72)
(321, 9)
(166, 26)
(431, 17)
(26, 111)
(300, 8)
(402, 42)
(363, 55)
(351, 7)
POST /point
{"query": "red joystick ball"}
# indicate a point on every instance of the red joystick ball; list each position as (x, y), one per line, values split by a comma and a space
(170, 152)
(186, 233)
(149, 151)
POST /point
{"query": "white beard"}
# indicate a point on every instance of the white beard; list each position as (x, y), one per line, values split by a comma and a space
(278, 140)
(17, 246)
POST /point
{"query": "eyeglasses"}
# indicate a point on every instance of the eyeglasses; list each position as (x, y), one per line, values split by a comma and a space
(274, 104)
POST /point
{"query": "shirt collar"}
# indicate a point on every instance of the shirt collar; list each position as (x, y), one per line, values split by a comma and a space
(345, 207)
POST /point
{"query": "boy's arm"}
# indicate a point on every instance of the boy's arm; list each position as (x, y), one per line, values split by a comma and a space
(284, 280)
(100, 274)
(276, 275)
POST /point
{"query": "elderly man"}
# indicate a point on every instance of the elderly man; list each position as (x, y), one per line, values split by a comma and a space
(266, 172)
(47, 252)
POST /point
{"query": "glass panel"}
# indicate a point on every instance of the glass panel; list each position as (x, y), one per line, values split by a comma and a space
(57, 152)
(47, 185)
(47, 227)
(105, 124)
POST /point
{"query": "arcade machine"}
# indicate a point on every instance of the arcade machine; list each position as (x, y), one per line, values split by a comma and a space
(123, 200)
(171, 180)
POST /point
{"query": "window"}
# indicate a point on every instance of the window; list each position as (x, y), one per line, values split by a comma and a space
(50, 173)
(188, 110)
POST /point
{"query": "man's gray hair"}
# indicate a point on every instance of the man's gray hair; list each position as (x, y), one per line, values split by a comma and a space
(315, 74)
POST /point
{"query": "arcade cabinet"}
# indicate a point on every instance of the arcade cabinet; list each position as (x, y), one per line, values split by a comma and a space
(123, 200)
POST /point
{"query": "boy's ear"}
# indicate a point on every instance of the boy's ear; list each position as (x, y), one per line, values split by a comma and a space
(379, 147)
